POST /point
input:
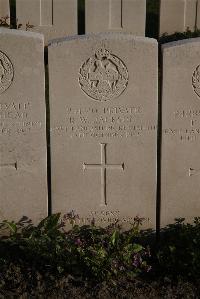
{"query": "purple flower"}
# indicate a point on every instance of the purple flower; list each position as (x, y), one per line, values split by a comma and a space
(149, 268)
(78, 242)
(137, 260)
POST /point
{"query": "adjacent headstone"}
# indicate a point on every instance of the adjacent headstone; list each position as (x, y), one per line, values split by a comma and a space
(115, 15)
(181, 131)
(23, 177)
(53, 18)
(4, 12)
(198, 15)
(177, 16)
(103, 127)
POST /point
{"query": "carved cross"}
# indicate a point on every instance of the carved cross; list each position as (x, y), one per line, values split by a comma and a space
(103, 166)
(115, 14)
(193, 171)
(46, 12)
(13, 165)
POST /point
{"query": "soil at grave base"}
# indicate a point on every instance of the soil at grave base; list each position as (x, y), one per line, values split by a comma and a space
(15, 284)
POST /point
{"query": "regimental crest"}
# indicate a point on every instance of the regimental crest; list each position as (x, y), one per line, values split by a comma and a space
(103, 76)
(6, 72)
(196, 80)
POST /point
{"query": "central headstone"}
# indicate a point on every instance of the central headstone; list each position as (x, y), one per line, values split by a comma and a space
(103, 127)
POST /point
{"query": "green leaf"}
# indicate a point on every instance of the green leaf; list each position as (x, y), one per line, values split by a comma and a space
(11, 225)
(50, 222)
(137, 248)
(114, 238)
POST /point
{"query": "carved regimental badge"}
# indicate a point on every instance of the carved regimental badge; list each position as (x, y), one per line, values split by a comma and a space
(6, 72)
(103, 76)
(196, 80)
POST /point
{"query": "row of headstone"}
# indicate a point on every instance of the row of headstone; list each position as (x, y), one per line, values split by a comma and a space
(103, 113)
(179, 15)
(58, 18)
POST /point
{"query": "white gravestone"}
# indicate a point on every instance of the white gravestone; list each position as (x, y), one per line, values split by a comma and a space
(103, 127)
(115, 15)
(53, 18)
(181, 131)
(177, 16)
(23, 174)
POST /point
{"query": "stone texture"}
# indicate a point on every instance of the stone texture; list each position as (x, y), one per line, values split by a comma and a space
(53, 18)
(5, 10)
(177, 15)
(23, 178)
(181, 134)
(103, 127)
(115, 15)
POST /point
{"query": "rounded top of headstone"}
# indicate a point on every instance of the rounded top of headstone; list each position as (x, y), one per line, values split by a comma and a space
(104, 36)
(21, 33)
(182, 42)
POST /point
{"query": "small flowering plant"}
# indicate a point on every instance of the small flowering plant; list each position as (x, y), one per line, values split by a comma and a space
(105, 253)
(86, 252)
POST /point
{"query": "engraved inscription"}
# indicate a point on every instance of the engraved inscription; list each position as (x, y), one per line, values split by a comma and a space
(185, 125)
(104, 122)
(46, 12)
(8, 165)
(105, 217)
(103, 166)
(103, 76)
(15, 118)
(6, 72)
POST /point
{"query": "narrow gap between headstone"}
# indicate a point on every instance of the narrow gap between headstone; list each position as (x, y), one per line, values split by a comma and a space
(81, 17)
(13, 21)
(152, 18)
(159, 143)
(48, 130)
(195, 26)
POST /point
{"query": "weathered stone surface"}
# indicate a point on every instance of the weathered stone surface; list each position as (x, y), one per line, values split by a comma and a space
(177, 15)
(5, 10)
(53, 18)
(181, 133)
(115, 15)
(23, 179)
(103, 127)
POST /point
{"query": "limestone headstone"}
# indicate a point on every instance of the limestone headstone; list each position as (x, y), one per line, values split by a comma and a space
(5, 11)
(115, 15)
(23, 178)
(103, 102)
(177, 15)
(181, 131)
(53, 18)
